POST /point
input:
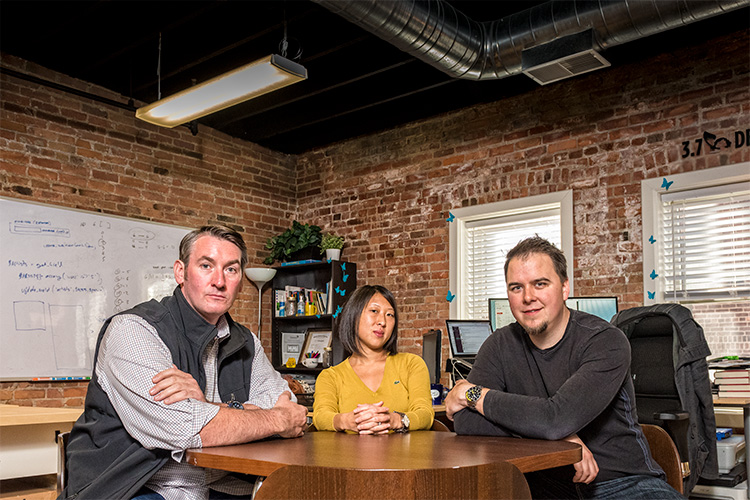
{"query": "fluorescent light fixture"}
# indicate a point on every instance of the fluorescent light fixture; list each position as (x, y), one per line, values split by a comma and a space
(239, 85)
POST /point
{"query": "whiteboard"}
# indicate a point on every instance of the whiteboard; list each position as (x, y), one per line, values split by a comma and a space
(63, 273)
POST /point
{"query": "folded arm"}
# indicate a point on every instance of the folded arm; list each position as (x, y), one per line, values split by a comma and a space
(163, 407)
(131, 355)
(576, 403)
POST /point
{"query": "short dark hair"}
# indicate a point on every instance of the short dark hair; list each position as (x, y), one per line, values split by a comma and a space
(348, 324)
(217, 231)
(537, 244)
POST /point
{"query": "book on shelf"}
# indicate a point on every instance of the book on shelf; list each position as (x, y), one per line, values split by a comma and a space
(732, 381)
(298, 262)
(734, 388)
(734, 394)
(329, 292)
(736, 373)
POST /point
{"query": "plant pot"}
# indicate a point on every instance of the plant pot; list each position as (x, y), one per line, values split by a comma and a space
(333, 253)
(306, 253)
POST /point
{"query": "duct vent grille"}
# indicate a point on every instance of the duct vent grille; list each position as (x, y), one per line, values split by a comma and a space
(566, 67)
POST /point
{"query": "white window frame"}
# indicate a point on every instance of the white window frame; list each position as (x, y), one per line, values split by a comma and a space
(457, 249)
(651, 191)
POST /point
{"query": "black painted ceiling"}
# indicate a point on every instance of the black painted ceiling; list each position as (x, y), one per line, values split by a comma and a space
(358, 84)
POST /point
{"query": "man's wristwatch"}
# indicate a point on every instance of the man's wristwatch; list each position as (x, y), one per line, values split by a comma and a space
(404, 422)
(233, 403)
(473, 394)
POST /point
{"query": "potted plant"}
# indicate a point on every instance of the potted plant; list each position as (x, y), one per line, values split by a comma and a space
(332, 245)
(296, 243)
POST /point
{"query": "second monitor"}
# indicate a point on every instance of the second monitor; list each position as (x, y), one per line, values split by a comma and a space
(603, 307)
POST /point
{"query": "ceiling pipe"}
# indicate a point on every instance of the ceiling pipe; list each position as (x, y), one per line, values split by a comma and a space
(442, 36)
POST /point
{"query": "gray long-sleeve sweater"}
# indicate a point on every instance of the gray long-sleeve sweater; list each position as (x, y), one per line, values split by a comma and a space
(581, 385)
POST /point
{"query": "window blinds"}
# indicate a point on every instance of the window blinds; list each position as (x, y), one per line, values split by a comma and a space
(705, 253)
(487, 241)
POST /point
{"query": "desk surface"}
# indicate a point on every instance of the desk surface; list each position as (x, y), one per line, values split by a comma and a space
(413, 450)
(26, 415)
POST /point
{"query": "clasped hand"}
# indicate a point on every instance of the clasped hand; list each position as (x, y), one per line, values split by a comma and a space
(369, 419)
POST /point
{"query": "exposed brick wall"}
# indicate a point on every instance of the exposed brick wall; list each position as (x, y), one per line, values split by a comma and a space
(599, 134)
(64, 150)
(727, 326)
(389, 193)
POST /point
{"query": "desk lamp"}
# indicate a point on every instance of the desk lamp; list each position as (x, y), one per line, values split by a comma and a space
(259, 276)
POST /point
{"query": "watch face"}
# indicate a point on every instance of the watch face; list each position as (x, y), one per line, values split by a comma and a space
(473, 394)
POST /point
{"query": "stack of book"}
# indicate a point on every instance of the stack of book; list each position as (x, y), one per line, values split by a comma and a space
(733, 383)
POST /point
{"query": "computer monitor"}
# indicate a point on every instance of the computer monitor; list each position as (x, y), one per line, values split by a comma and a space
(467, 336)
(431, 342)
(603, 307)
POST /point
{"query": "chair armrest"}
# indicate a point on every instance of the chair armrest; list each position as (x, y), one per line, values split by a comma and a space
(672, 415)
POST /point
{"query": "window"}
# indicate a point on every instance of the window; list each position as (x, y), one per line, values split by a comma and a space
(696, 245)
(705, 252)
(696, 236)
(480, 237)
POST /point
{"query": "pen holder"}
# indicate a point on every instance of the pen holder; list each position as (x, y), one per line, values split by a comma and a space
(310, 362)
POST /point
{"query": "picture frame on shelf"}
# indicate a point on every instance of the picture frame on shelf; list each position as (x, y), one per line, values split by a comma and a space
(291, 346)
(316, 340)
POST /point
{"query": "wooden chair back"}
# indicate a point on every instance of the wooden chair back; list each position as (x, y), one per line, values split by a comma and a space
(664, 452)
(294, 482)
(62, 471)
(438, 426)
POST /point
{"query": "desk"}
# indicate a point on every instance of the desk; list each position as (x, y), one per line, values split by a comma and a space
(413, 450)
(27, 435)
(729, 412)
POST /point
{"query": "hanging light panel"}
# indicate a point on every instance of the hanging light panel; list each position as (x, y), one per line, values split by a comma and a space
(247, 82)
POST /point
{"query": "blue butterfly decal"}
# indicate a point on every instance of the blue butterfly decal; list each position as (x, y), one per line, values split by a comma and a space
(338, 310)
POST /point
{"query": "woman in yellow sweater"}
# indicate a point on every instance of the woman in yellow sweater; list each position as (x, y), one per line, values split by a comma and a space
(376, 389)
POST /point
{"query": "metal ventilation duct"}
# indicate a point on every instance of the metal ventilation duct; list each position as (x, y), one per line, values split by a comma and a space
(442, 36)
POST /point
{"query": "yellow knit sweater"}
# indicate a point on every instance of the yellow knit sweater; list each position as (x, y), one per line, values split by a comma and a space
(405, 387)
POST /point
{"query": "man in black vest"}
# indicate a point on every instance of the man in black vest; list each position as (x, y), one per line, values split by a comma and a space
(173, 374)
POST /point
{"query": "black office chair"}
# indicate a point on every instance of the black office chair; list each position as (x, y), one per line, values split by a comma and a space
(668, 347)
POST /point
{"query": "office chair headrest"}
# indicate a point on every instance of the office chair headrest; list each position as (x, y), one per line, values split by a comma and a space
(650, 326)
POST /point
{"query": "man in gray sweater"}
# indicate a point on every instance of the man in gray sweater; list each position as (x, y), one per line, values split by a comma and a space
(559, 374)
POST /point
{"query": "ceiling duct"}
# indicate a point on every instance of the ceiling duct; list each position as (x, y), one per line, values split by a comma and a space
(562, 58)
(442, 36)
